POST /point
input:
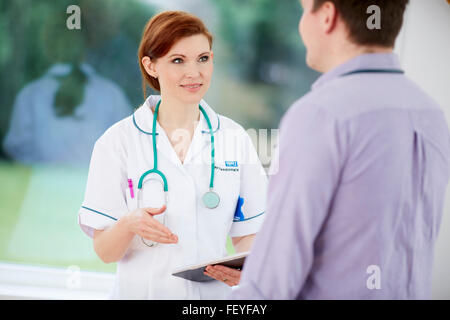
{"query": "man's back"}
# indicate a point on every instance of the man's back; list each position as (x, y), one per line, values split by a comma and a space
(384, 218)
(355, 207)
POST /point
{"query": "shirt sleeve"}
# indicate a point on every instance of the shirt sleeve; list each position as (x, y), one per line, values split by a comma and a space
(251, 204)
(105, 199)
(299, 196)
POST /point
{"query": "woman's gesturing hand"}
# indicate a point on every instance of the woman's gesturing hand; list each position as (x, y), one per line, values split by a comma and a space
(142, 223)
(227, 275)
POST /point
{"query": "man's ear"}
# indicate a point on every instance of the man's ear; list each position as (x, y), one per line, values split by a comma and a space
(149, 66)
(328, 16)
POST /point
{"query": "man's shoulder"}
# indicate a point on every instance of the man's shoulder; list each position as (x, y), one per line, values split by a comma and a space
(349, 97)
(308, 104)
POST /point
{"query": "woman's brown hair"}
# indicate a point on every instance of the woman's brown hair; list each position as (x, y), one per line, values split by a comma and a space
(161, 32)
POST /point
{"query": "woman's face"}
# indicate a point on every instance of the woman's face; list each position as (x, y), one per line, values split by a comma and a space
(184, 73)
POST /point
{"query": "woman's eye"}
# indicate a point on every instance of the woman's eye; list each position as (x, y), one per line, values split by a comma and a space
(204, 59)
(177, 60)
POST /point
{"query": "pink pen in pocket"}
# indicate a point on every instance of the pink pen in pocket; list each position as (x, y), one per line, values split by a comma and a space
(130, 185)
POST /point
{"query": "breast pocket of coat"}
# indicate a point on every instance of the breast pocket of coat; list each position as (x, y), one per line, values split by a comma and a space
(131, 198)
(152, 195)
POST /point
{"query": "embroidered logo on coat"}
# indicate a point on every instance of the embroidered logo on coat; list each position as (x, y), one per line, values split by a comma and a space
(231, 163)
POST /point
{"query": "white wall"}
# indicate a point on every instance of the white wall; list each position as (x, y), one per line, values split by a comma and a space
(424, 50)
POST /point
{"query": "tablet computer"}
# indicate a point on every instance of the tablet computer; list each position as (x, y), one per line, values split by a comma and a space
(195, 272)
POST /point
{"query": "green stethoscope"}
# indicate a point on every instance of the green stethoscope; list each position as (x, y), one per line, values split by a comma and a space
(210, 198)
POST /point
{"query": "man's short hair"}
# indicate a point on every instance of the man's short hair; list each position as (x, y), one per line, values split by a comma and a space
(354, 14)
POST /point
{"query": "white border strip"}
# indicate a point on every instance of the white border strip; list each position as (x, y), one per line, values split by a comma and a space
(34, 282)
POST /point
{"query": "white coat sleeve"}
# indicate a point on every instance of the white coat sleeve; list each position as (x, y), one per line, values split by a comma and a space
(105, 199)
(251, 204)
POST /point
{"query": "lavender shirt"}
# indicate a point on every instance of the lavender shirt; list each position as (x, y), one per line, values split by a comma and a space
(355, 207)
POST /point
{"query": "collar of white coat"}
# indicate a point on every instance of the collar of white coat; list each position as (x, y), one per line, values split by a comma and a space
(143, 117)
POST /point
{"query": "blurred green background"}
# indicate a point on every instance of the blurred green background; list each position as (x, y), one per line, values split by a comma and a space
(259, 72)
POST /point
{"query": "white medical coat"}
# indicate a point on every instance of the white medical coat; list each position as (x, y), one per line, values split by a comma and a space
(125, 152)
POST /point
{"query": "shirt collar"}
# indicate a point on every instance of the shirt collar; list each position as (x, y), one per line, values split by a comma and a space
(363, 61)
(62, 69)
(143, 117)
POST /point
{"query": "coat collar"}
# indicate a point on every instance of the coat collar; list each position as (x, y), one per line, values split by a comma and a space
(143, 121)
(143, 117)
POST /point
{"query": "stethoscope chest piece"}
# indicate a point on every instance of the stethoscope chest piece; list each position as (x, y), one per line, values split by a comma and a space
(211, 199)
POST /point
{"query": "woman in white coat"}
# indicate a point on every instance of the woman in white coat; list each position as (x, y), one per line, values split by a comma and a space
(170, 183)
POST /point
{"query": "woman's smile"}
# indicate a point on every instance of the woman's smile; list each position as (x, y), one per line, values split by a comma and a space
(192, 87)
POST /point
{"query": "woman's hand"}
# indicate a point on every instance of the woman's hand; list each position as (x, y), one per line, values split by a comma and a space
(142, 223)
(227, 275)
